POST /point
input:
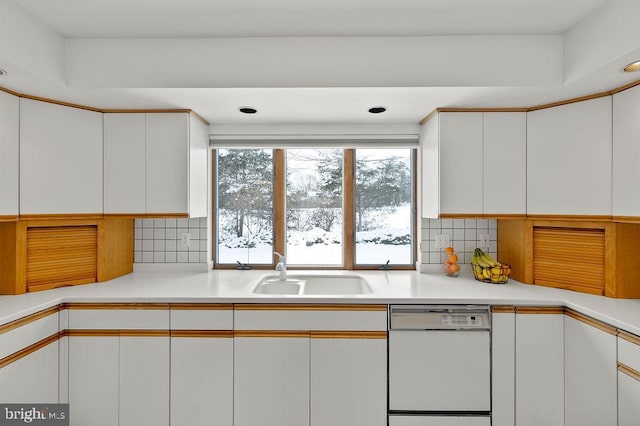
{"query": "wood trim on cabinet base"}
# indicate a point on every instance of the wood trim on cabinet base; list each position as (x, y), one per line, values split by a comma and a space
(271, 333)
(8, 218)
(116, 332)
(500, 309)
(29, 350)
(348, 334)
(116, 306)
(632, 338)
(306, 307)
(629, 371)
(201, 306)
(202, 333)
(28, 319)
(590, 321)
(540, 310)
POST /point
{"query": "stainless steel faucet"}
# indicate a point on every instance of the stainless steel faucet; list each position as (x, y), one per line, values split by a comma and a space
(281, 266)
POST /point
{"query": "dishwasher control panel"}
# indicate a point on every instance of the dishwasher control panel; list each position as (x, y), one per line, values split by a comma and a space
(439, 317)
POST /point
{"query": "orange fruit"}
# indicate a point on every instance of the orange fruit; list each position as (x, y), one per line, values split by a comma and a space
(454, 268)
(448, 250)
(453, 257)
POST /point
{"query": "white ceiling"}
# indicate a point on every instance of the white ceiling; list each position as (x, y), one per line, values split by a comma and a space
(276, 18)
(212, 19)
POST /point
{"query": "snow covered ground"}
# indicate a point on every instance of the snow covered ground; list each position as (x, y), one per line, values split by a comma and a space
(319, 247)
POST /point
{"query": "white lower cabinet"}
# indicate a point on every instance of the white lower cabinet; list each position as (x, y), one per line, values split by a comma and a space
(202, 381)
(144, 381)
(590, 374)
(271, 381)
(628, 379)
(328, 368)
(94, 364)
(539, 367)
(503, 380)
(348, 381)
(628, 399)
(32, 379)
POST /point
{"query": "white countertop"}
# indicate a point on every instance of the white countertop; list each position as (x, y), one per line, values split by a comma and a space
(223, 286)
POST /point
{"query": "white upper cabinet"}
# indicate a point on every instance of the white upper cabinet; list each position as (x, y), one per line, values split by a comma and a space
(569, 159)
(504, 163)
(474, 163)
(9, 142)
(124, 163)
(60, 159)
(626, 151)
(155, 163)
(461, 162)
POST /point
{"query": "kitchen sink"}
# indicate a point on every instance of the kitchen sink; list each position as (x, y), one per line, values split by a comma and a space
(309, 285)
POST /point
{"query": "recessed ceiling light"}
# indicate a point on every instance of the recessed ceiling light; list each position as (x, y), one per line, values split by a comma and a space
(2, 72)
(247, 110)
(377, 110)
(634, 66)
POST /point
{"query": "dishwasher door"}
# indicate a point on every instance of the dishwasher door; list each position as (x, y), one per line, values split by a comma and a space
(445, 368)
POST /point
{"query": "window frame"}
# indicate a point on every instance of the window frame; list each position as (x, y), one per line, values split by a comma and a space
(348, 212)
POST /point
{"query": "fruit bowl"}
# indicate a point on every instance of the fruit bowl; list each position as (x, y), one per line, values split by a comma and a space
(493, 274)
(487, 270)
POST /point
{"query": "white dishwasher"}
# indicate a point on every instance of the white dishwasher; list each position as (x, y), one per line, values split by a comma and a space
(439, 365)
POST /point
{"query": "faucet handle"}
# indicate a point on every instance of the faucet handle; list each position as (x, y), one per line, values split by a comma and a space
(281, 258)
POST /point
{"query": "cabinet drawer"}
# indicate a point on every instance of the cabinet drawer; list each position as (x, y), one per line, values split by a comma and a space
(19, 338)
(119, 319)
(311, 317)
(628, 351)
(202, 318)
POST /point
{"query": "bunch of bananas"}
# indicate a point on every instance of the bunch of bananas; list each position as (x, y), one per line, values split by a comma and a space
(485, 268)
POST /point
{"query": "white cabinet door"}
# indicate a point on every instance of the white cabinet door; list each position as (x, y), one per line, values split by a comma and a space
(271, 381)
(60, 159)
(9, 154)
(348, 382)
(504, 163)
(430, 168)
(569, 159)
(590, 375)
(626, 151)
(460, 162)
(503, 381)
(93, 380)
(539, 369)
(144, 381)
(199, 164)
(167, 153)
(628, 399)
(32, 379)
(124, 163)
(201, 381)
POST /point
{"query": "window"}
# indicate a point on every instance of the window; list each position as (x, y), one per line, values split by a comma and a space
(329, 207)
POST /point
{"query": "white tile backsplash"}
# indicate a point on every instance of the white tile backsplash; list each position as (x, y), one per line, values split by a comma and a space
(158, 240)
(464, 235)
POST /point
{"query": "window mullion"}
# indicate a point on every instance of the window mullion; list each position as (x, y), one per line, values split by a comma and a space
(279, 201)
(348, 208)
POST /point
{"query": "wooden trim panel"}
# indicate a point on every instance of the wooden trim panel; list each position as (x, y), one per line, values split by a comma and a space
(626, 219)
(629, 337)
(114, 333)
(28, 319)
(348, 334)
(629, 371)
(201, 306)
(307, 307)
(503, 309)
(29, 350)
(539, 310)
(571, 218)
(270, 333)
(55, 217)
(536, 107)
(590, 321)
(116, 306)
(348, 208)
(8, 218)
(202, 333)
